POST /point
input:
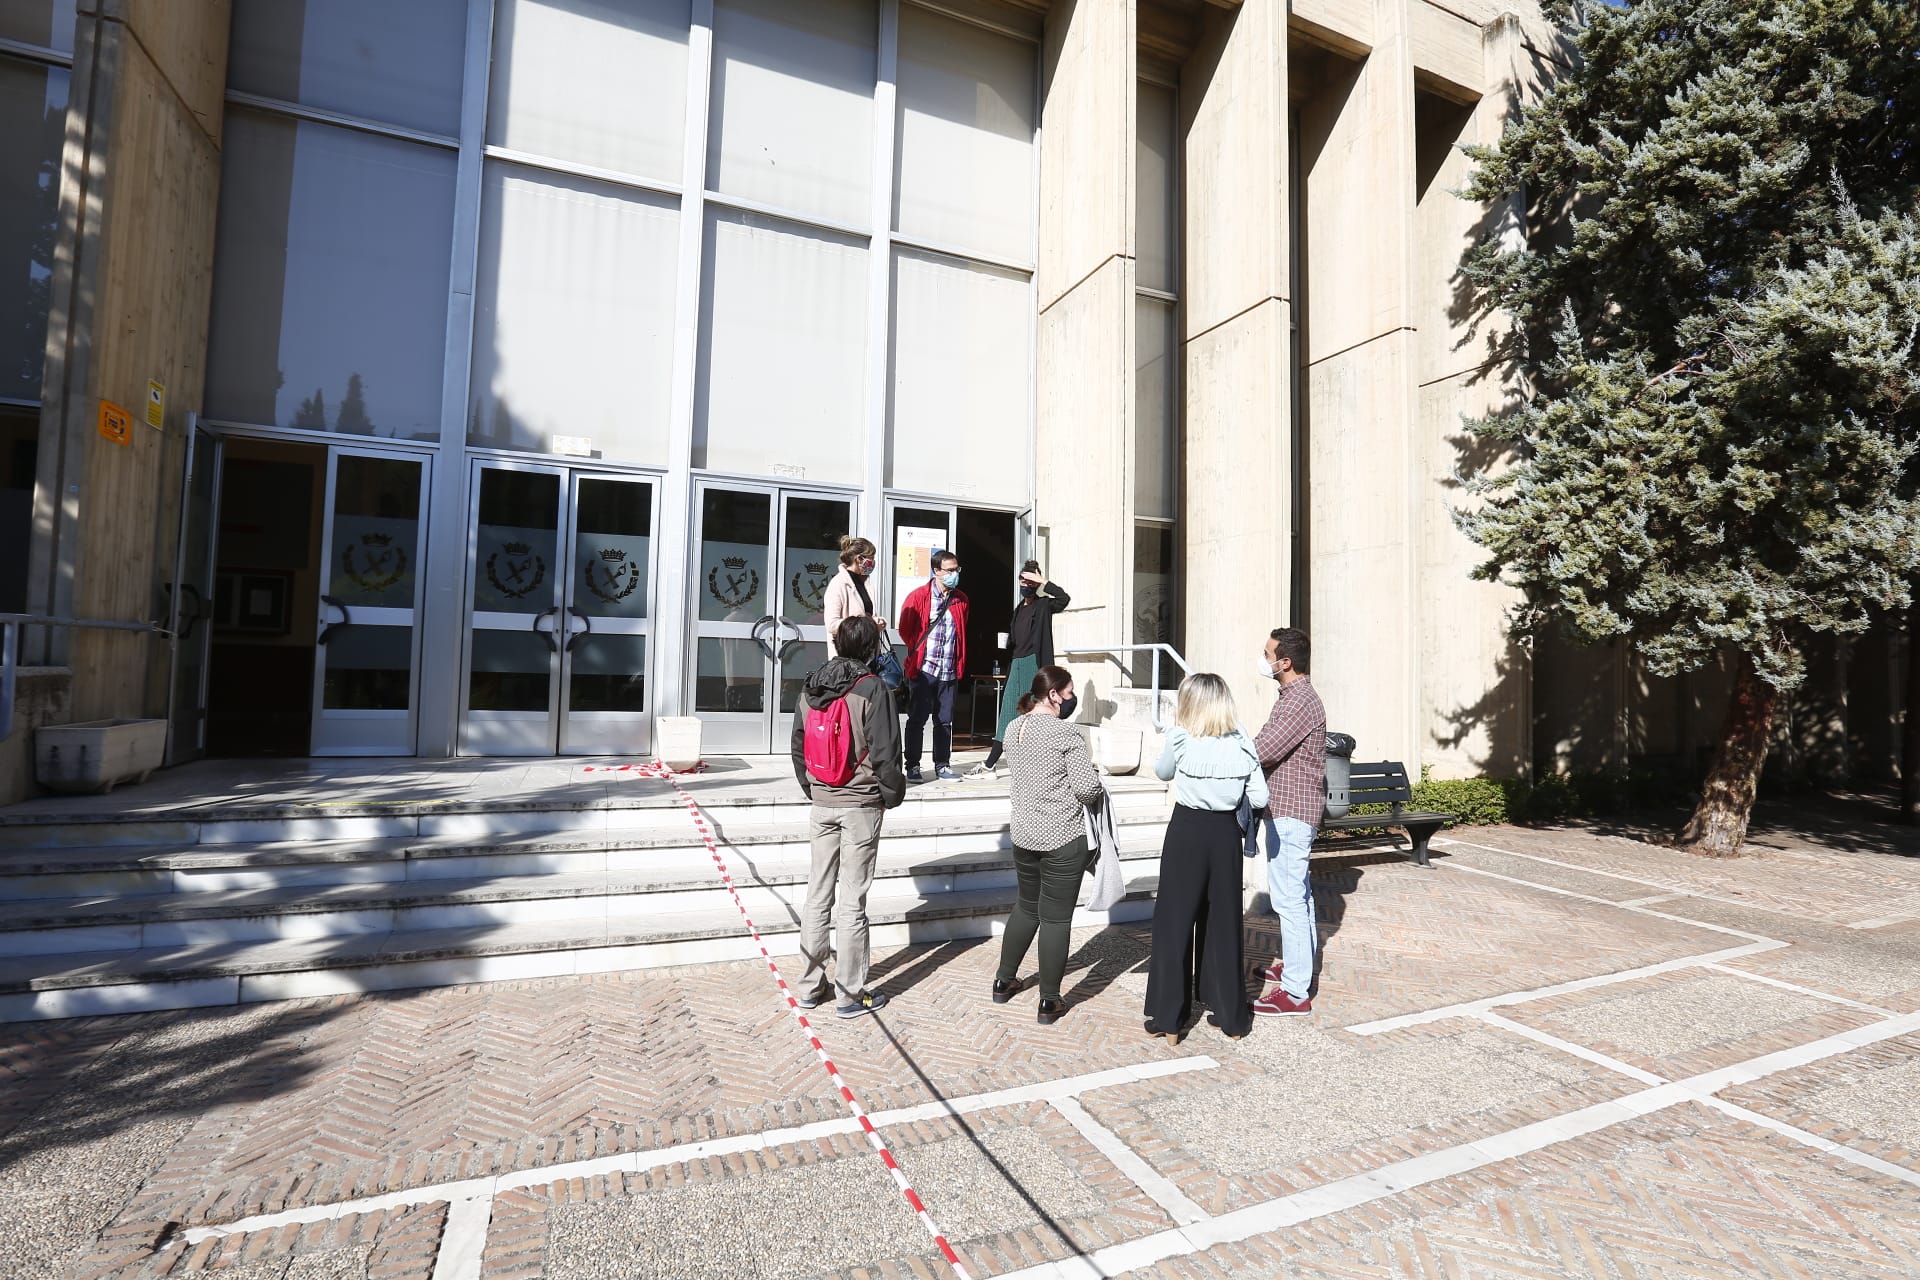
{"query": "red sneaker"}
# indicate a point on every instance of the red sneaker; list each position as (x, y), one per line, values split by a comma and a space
(1272, 972)
(1278, 1004)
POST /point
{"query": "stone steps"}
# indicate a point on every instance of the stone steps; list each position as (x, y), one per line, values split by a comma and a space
(234, 902)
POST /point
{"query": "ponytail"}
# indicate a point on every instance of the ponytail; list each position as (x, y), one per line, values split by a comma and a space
(1046, 680)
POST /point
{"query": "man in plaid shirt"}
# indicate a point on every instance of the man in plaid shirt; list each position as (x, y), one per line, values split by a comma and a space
(1292, 747)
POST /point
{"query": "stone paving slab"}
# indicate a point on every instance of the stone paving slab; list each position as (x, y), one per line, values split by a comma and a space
(117, 1133)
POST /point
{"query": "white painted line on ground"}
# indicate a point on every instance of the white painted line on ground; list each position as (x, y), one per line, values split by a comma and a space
(1651, 899)
(1577, 1050)
(1447, 842)
(1474, 1008)
(1377, 1184)
(1609, 902)
(1883, 922)
(1796, 987)
(463, 1241)
(1884, 1167)
(1129, 1162)
(1051, 1091)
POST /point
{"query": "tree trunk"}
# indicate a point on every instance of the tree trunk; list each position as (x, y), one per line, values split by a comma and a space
(1719, 822)
(1910, 738)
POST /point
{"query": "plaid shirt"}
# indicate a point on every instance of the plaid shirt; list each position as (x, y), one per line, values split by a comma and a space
(1292, 747)
(937, 662)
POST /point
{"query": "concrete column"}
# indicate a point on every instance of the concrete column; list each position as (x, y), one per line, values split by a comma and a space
(1085, 283)
(130, 294)
(1237, 518)
(1363, 469)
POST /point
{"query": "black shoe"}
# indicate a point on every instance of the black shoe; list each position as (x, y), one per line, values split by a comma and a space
(861, 1005)
(1004, 989)
(1051, 1007)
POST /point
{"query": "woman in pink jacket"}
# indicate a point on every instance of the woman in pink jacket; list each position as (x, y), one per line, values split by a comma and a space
(847, 593)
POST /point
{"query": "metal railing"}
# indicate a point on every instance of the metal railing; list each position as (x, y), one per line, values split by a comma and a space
(1109, 651)
(10, 625)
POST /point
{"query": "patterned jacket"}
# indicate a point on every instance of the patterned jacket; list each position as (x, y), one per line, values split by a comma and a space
(1292, 747)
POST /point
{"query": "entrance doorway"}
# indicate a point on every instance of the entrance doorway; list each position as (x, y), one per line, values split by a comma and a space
(989, 544)
(560, 610)
(316, 592)
(763, 557)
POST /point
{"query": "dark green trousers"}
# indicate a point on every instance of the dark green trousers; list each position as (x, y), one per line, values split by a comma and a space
(1049, 886)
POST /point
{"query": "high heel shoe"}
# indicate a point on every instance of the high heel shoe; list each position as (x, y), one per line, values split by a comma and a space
(1051, 1007)
(1171, 1037)
(1004, 989)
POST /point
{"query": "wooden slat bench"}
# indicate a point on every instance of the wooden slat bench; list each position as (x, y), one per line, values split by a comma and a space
(1385, 782)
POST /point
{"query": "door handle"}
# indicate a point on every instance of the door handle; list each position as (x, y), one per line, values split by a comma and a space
(546, 633)
(768, 625)
(330, 625)
(191, 610)
(787, 643)
(586, 628)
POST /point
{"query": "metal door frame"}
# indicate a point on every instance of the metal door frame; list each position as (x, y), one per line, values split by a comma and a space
(193, 627)
(348, 726)
(632, 731)
(510, 733)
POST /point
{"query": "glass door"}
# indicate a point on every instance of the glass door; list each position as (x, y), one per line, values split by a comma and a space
(191, 602)
(367, 681)
(560, 612)
(915, 532)
(763, 559)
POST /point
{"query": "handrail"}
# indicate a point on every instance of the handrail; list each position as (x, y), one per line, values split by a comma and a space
(10, 624)
(1156, 649)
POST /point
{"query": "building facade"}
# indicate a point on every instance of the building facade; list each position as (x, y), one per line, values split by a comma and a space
(514, 366)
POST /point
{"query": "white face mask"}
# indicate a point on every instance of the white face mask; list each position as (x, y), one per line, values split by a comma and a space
(1266, 670)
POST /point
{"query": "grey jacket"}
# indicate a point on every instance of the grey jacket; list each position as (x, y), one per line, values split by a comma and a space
(878, 781)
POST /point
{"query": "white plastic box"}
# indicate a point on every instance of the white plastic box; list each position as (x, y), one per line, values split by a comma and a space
(96, 754)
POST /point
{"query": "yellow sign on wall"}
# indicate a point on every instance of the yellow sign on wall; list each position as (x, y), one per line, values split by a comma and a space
(116, 424)
(156, 404)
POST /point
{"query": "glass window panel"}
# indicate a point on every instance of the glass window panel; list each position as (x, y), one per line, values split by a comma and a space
(47, 23)
(1153, 601)
(801, 661)
(19, 453)
(735, 529)
(596, 84)
(729, 675)
(368, 669)
(518, 533)
(511, 671)
(401, 63)
(793, 105)
(33, 117)
(783, 352)
(812, 557)
(963, 147)
(376, 532)
(962, 355)
(612, 532)
(1155, 218)
(1156, 413)
(609, 674)
(330, 280)
(573, 330)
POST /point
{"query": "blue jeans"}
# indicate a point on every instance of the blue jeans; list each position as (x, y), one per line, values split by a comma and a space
(1289, 841)
(930, 698)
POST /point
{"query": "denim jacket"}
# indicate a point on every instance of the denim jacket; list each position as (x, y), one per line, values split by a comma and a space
(1212, 773)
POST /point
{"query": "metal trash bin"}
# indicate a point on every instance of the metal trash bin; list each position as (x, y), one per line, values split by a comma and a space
(1339, 773)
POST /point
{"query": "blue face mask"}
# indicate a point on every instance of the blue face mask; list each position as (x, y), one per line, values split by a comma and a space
(950, 579)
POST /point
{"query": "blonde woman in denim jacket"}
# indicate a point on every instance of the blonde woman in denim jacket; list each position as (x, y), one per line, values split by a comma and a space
(1197, 941)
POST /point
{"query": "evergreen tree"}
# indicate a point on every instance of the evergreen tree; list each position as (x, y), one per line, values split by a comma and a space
(352, 417)
(1719, 317)
(312, 413)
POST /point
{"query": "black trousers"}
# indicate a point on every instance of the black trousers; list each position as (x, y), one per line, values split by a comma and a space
(1198, 946)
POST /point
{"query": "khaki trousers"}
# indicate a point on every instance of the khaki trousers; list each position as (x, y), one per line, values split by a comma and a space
(846, 846)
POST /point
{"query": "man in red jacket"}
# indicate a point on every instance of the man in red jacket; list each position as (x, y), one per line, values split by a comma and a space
(933, 623)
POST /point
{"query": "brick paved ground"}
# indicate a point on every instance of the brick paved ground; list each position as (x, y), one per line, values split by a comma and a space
(1561, 1052)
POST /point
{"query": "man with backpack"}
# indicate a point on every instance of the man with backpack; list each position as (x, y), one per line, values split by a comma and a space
(846, 755)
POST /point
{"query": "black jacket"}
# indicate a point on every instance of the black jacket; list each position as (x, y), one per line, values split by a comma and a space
(878, 781)
(1031, 632)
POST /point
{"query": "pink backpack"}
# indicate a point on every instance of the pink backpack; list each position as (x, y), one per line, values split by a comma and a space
(829, 745)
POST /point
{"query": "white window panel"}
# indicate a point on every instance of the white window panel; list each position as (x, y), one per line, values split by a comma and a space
(573, 331)
(595, 85)
(793, 105)
(962, 399)
(397, 63)
(330, 279)
(1155, 156)
(1155, 415)
(963, 149)
(783, 350)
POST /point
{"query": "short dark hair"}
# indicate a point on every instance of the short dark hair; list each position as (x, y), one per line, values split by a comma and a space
(857, 637)
(942, 556)
(1291, 643)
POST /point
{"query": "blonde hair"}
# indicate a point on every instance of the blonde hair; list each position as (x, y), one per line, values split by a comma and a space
(854, 549)
(1205, 709)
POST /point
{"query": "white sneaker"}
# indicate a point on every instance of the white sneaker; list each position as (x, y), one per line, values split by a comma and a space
(980, 773)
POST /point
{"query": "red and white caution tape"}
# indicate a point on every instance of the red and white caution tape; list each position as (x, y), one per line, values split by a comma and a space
(661, 771)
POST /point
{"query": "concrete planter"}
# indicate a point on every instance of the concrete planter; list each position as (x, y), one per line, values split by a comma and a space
(676, 741)
(1117, 751)
(95, 755)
